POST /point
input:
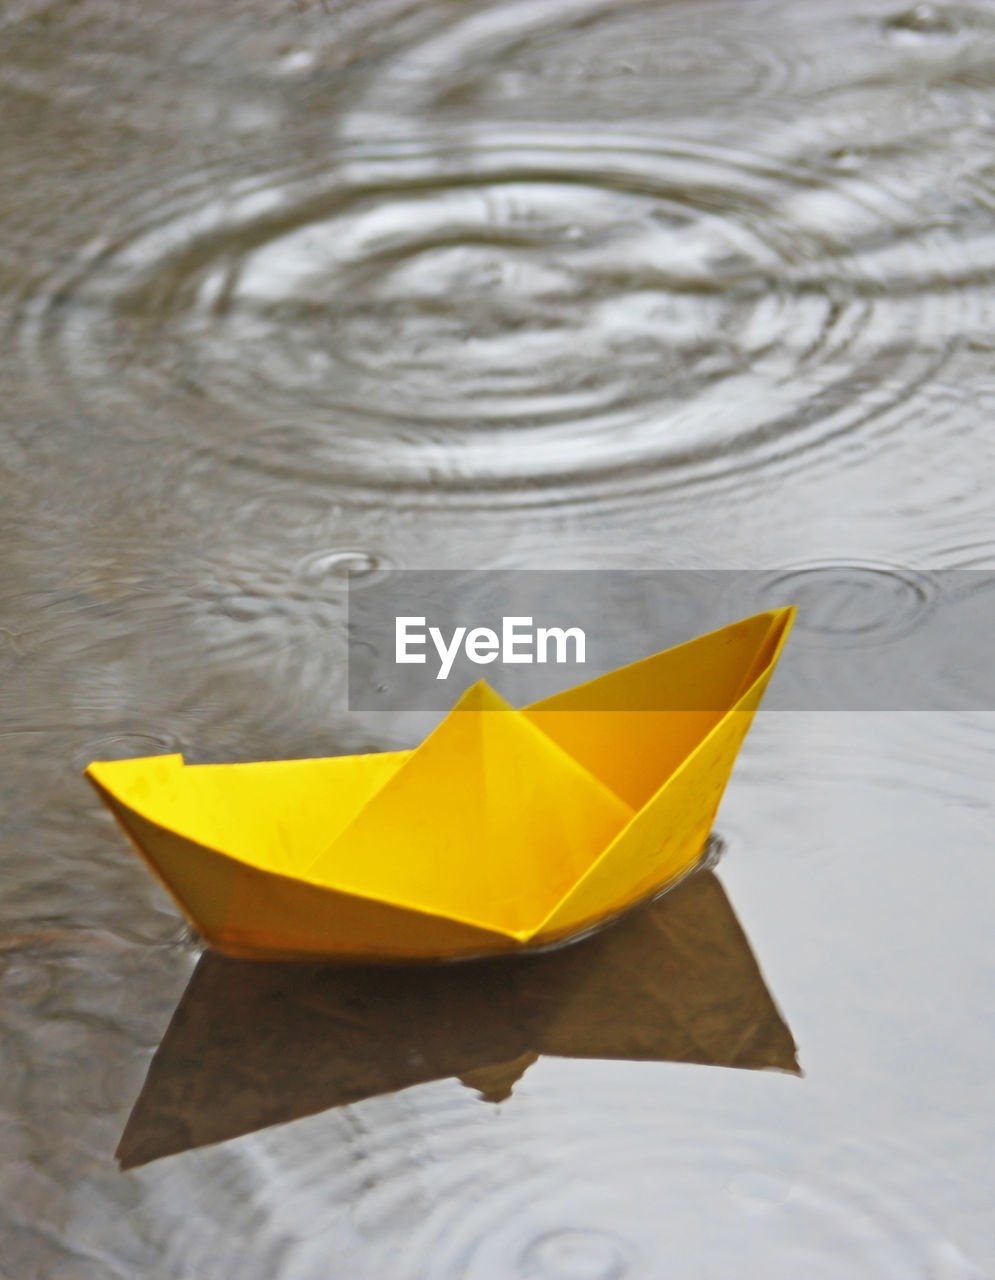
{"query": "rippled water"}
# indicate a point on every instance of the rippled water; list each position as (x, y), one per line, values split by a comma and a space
(293, 292)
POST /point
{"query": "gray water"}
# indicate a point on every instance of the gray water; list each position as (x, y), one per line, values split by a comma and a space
(296, 290)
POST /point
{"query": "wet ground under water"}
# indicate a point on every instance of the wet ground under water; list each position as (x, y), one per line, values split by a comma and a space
(293, 291)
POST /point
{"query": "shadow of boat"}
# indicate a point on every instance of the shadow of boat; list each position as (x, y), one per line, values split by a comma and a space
(257, 1043)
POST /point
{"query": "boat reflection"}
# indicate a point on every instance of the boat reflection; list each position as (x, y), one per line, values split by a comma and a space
(254, 1044)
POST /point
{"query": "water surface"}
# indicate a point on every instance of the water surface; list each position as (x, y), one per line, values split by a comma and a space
(293, 291)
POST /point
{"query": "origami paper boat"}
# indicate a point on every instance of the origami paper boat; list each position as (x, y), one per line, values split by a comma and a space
(505, 829)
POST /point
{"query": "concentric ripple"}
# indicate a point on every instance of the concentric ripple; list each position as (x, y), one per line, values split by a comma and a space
(352, 565)
(437, 1190)
(571, 59)
(575, 1255)
(536, 310)
(853, 603)
(594, 1205)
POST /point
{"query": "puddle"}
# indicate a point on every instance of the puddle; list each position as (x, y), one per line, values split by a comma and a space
(295, 296)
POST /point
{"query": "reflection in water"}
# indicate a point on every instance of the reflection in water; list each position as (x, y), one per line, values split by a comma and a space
(254, 1044)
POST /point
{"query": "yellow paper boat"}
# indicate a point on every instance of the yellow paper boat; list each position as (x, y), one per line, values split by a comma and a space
(505, 829)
